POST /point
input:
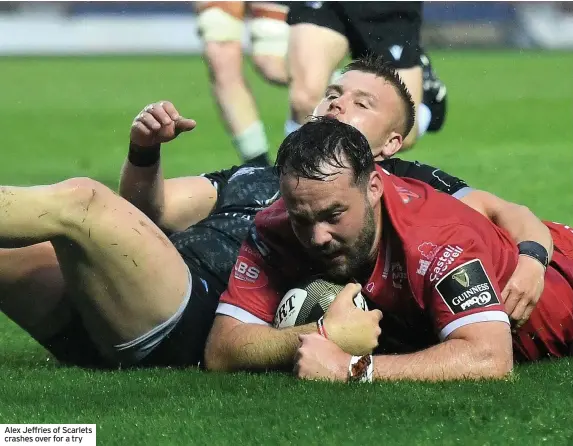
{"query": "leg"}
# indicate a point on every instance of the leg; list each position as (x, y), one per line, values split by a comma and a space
(314, 53)
(316, 46)
(391, 30)
(221, 25)
(270, 33)
(32, 290)
(122, 274)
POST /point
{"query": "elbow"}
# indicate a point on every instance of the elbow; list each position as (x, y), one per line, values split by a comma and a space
(499, 368)
(495, 362)
(218, 354)
(215, 358)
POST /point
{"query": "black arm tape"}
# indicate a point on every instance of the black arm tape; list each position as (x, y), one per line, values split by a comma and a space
(534, 250)
(143, 156)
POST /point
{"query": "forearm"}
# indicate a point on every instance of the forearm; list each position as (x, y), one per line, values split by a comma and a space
(143, 186)
(450, 360)
(255, 347)
(522, 225)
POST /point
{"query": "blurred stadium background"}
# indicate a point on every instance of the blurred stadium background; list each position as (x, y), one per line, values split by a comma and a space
(509, 70)
(135, 27)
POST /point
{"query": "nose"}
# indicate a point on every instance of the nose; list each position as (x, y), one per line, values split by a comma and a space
(321, 236)
(337, 106)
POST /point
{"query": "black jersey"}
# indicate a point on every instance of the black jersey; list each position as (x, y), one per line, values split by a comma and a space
(210, 247)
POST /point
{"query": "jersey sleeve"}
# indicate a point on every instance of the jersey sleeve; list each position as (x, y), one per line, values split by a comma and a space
(252, 295)
(461, 285)
(436, 178)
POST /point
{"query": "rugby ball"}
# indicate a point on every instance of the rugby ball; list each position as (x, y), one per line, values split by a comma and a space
(308, 302)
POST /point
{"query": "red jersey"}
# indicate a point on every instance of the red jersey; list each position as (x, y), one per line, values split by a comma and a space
(440, 266)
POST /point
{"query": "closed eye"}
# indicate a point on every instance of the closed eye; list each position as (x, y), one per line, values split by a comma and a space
(334, 218)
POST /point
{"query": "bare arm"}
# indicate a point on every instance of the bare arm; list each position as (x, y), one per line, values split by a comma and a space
(517, 220)
(523, 290)
(480, 350)
(234, 345)
(144, 187)
(173, 204)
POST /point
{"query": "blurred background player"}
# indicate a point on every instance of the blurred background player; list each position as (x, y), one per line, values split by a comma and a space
(322, 33)
(221, 25)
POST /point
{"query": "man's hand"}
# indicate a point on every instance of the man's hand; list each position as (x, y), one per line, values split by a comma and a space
(319, 358)
(158, 123)
(523, 289)
(355, 331)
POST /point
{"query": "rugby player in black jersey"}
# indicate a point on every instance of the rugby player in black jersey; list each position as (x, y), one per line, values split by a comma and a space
(99, 283)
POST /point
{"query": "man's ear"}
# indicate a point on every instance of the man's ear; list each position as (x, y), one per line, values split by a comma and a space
(393, 144)
(375, 188)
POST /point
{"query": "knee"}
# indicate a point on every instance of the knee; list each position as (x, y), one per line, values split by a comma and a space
(225, 63)
(78, 197)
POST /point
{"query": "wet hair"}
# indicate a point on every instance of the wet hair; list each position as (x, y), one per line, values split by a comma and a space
(323, 142)
(379, 67)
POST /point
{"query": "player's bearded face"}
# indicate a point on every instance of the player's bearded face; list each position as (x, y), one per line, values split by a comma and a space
(335, 223)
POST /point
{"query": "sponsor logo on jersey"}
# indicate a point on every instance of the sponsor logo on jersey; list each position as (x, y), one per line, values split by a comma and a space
(428, 250)
(248, 274)
(444, 261)
(467, 287)
(461, 277)
(423, 267)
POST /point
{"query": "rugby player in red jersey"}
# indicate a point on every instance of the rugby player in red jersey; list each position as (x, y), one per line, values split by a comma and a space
(431, 268)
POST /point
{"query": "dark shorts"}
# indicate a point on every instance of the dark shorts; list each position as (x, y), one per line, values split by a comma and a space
(388, 29)
(183, 346)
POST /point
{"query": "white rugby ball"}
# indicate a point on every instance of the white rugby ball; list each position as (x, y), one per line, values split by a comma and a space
(308, 302)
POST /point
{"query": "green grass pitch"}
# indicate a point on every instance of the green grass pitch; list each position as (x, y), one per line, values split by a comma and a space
(509, 131)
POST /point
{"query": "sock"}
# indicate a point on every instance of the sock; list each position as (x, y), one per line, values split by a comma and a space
(252, 142)
(424, 118)
(291, 126)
